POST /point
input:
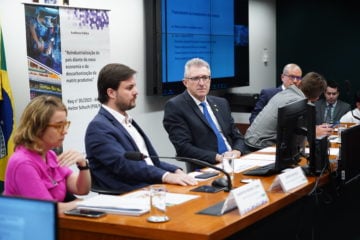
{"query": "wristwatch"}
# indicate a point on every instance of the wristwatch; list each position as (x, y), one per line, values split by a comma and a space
(86, 167)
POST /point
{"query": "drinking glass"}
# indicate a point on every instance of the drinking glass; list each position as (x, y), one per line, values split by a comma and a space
(228, 164)
(157, 204)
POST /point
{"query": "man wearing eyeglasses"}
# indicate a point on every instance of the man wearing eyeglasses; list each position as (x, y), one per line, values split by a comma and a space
(330, 109)
(199, 125)
(292, 74)
(263, 131)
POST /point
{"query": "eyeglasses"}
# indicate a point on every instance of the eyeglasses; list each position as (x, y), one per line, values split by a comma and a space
(293, 77)
(205, 78)
(60, 127)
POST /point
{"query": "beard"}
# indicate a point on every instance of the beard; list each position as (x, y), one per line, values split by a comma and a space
(123, 107)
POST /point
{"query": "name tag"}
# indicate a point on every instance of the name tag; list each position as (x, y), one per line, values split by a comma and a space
(249, 196)
(289, 180)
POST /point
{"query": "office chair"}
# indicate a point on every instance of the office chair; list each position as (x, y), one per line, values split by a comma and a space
(100, 190)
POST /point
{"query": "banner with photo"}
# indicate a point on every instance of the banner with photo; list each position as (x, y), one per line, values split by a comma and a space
(66, 47)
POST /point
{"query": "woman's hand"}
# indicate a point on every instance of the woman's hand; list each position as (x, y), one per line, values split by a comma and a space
(71, 157)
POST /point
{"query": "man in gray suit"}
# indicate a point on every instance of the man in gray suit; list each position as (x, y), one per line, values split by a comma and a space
(330, 109)
(291, 75)
(262, 132)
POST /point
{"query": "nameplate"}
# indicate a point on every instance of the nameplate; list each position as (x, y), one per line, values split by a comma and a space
(289, 180)
(249, 196)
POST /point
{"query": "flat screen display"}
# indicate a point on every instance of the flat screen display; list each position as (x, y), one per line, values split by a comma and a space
(291, 134)
(27, 219)
(349, 164)
(214, 30)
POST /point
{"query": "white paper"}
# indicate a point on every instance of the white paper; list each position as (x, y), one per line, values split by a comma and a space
(254, 156)
(135, 203)
(171, 198)
(116, 204)
(268, 150)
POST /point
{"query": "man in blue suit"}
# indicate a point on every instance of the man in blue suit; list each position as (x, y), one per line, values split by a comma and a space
(189, 131)
(291, 75)
(113, 132)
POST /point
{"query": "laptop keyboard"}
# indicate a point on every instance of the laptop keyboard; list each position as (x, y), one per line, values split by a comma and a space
(266, 170)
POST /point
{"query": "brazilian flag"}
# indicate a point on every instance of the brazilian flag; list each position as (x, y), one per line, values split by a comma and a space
(7, 116)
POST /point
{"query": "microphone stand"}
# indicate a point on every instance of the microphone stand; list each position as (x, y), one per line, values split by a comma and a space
(140, 156)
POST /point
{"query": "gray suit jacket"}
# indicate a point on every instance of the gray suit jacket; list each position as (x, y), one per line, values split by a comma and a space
(340, 109)
(262, 132)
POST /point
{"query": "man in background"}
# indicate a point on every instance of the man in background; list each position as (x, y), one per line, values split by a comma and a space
(291, 75)
(263, 131)
(330, 109)
(186, 120)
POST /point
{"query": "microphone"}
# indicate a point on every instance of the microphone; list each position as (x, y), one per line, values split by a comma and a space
(137, 156)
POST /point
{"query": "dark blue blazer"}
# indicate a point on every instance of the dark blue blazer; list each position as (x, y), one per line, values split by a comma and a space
(106, 142)
(191, 134)
(264, 97)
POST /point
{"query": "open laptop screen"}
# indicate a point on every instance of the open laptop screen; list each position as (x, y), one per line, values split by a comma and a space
(27, 219)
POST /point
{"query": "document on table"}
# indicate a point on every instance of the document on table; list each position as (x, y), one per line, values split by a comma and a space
(134, 204)
(171, 198)
(253, 160)
(116, 204)
(250, 160)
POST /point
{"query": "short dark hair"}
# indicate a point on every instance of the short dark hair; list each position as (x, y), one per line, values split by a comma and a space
(110, 76)
(313, 85)
(333, 84)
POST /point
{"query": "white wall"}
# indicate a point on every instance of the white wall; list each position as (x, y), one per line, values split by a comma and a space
(127, 44)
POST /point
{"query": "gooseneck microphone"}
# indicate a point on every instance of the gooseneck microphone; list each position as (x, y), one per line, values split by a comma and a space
(137, 156)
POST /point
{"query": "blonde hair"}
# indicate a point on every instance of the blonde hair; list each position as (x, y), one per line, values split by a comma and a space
(35, 119)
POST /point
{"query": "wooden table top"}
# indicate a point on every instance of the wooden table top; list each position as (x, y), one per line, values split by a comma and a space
(184, 222)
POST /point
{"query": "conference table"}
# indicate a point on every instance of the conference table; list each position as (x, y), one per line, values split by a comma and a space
(185, 222)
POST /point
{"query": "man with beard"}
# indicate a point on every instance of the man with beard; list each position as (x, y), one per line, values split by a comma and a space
(113, 132)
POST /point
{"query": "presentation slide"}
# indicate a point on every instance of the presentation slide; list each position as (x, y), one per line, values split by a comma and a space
(197, 28)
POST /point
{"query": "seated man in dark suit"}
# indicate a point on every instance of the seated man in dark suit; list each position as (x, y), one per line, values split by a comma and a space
(188, 128)
(113, 132)
(291, 75)
(330, 109)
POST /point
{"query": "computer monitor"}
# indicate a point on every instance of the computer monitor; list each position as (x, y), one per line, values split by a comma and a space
(292, 129)
(318, 159)
(349, 164)
(23, 218)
